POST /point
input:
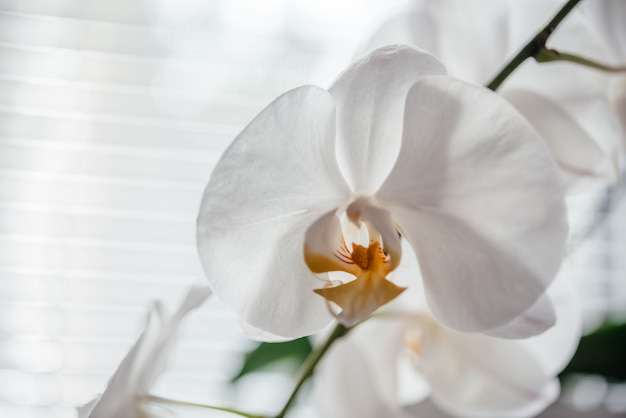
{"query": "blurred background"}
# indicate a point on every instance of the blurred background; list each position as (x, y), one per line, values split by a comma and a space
(112, 115)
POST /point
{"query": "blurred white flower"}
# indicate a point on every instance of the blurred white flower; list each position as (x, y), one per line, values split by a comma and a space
(393, 145)
(144, 364)
(403, 356)
(607, 19)
(566, 103)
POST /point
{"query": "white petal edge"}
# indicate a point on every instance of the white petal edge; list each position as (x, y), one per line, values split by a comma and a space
(536, 320)
(158, 358)
(577, 154)
(118, 397)
(555, 347)
(260, 335)
(145, 362)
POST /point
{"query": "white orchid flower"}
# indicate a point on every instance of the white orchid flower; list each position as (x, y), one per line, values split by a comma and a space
(404, 356)
(144, 363)
(566, 103)
(324, 180)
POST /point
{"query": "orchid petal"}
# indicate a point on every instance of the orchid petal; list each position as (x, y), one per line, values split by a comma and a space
(477, 196)
(145, 362)
(370, 99)
(381, 341)
(414, 26)
(325, 248)
(473, 375)
(156, 360)
(555, 347)
(455, 32)
(619, 105)
(408, 275)
(428, 409)
(358, 376)
(609, 17)
(580, 91)
(346, 387)
(463, 29)
(260, 335)
(360, 298)
(574, 150)
(84, 411)
(587, 103)
(537, 319)
(196, 296)
(118, 397)
(412, 386)
(276, 179)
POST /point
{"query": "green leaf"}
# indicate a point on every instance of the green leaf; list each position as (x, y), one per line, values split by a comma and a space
(266, 354)
(602, 352)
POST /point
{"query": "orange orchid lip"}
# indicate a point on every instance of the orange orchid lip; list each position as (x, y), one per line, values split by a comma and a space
(370, 290)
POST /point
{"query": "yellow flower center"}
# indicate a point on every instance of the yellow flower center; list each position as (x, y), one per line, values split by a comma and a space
(360, 255)
(370, 290)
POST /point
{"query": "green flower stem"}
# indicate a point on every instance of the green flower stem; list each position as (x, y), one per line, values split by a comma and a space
(532, 48)
(550, 55)
(158, 399)
(310, 364)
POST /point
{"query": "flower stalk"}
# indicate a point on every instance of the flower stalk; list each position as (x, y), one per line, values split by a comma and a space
(534, 47)
(309, 365)
(551, 55)
(160, 400)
